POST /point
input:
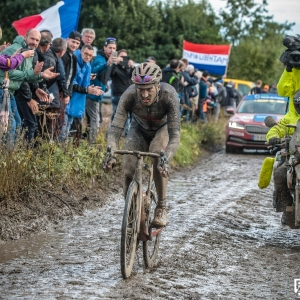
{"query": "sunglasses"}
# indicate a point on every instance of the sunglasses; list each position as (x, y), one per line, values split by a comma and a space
(146, 79)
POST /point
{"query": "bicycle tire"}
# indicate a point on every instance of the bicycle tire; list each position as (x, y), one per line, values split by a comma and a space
(150, 248)
(129, 230)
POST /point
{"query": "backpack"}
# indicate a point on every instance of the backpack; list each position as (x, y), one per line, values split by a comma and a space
(171, 78)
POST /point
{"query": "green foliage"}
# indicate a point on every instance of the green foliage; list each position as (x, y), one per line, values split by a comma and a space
(195, 137)
(256, 41)
(26, 171)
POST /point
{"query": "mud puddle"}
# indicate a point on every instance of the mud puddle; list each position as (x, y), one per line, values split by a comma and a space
(223, 241)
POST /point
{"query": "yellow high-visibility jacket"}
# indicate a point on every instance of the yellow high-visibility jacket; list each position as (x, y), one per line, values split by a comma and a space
(288, 85)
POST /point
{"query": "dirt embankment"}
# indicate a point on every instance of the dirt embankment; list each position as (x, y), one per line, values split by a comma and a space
(48, 208)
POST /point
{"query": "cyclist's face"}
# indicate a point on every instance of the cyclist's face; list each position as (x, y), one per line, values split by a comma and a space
(148, 96)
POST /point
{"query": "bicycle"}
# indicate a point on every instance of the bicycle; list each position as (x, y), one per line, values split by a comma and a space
(138, 213)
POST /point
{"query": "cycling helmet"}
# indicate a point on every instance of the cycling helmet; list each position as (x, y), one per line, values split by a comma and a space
(146, 74)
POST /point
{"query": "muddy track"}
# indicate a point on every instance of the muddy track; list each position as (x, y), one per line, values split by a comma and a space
(223, 241)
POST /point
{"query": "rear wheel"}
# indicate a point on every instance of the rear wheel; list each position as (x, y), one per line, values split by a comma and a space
(129, 230)
(150, 248)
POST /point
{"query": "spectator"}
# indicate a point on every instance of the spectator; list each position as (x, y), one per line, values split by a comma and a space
(265, 89)
(188, 91)
(121, 74)
(273, 89)
(24, 72)
(44, 44)
(69, 60)
(203, 87)
(8, 63)
(221, 97)
(257, 89)
(81, 87)
(195, 98)
(212, 96)
(88, 37)
(231, 95)
(171, 74)
(27, 100)
(101, 67)
(151, 59)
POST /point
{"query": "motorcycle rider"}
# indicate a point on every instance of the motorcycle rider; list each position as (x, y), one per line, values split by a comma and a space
(155, 126)
(288, 86)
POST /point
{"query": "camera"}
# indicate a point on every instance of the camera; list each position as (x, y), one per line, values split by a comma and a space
(291, 57)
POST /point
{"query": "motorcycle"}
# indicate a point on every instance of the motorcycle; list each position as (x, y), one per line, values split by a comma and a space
(288, 152)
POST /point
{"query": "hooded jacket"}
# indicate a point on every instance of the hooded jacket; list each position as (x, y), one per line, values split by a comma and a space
(288, 85)
(76, 106)
(21, 73)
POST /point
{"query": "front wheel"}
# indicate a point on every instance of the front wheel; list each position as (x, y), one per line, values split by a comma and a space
(150, 247)
(129, 230)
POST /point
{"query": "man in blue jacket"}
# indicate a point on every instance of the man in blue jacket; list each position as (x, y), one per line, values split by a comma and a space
(101, 67)
(81, 87)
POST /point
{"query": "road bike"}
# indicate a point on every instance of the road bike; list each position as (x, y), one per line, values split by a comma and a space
(140, 202)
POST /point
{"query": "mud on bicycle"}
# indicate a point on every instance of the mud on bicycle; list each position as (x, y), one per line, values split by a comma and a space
(140, 201)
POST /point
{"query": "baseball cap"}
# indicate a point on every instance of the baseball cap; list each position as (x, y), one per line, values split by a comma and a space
(110, 40)
(75, 35)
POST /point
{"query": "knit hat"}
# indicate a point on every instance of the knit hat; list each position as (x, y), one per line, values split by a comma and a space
(75, 35)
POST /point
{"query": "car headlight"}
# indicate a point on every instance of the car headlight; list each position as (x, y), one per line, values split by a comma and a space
(236, 125)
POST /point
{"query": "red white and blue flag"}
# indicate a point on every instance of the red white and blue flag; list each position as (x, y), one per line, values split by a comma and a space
(211, 58)
(60, 19)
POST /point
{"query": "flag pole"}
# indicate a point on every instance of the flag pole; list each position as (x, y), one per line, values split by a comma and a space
(77, 21)
(227, 61)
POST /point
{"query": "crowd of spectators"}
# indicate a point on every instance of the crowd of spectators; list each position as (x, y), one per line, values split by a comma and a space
(67, 79)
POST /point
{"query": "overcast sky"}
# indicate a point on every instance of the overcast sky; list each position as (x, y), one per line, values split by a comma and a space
(282, 10)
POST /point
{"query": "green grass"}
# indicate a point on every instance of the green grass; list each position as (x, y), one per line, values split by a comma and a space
(196, 137)
(26, 170)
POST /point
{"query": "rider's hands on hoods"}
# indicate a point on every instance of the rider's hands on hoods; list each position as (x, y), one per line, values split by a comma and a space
(109, 163)
(274, 141)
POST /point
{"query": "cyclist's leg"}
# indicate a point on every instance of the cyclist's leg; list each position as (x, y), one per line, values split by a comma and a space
(160, 142)
(136, 140)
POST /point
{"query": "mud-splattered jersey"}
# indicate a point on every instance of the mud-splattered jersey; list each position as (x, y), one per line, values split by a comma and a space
(164, 111)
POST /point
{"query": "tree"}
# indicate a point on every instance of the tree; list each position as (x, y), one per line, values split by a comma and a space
(256, 40)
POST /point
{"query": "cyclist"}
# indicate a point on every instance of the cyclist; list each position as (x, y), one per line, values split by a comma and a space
(155, 126)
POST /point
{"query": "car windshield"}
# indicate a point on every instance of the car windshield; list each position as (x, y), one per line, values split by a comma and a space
(263, 106)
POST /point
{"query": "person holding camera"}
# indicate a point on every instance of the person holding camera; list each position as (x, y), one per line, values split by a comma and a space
(288, 86)
(120, 75)
(101, 69)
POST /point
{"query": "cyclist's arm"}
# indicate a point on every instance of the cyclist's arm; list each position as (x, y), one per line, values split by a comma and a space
(173, 122)
(118, 124)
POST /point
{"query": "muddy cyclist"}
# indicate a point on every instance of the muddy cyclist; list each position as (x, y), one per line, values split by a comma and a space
(155, 126)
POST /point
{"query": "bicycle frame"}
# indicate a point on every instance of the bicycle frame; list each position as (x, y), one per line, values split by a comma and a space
(144, 233)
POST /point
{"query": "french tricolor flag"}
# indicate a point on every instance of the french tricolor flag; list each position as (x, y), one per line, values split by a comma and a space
(212, 58)
(60, 19)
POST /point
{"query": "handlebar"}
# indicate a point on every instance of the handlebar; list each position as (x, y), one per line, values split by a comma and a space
(108, 156)
(137, 153)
